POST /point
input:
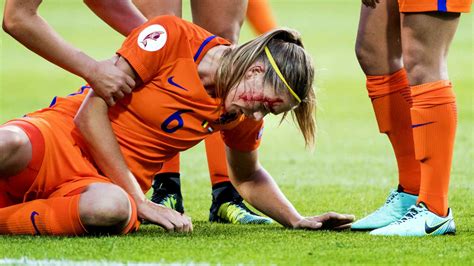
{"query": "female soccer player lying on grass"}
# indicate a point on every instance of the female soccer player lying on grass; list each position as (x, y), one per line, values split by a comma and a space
(80, 167)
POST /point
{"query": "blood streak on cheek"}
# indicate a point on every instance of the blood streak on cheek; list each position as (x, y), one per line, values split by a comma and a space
(248, 97)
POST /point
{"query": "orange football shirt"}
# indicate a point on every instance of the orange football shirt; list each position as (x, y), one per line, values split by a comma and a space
(172, 111)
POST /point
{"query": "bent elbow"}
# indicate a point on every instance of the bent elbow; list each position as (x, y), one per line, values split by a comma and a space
(8, 24)
(4, 26)
(19, 16)
(13, 22)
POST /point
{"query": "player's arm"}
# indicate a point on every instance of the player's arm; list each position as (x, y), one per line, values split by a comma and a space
(93, 122)
(22, 22)
(259, 189)
(122, 16)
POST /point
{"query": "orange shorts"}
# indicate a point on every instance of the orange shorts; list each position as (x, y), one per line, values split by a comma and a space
(456, 6)
(58, 167)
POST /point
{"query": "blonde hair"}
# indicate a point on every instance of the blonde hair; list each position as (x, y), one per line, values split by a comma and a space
(294, 63)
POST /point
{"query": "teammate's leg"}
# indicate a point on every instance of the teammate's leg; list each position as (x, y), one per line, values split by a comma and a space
(216, 159)
(426, 38)
(378, 50)
(167, 185)
(222, 18)
(219, 19)
(227, 205)
(211, 15)
(151, 9)
(260, 16)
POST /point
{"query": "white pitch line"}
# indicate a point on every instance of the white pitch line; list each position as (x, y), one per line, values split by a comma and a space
(27, 261)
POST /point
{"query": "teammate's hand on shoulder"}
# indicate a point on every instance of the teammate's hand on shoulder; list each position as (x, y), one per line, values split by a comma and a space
(109, 82)
(370, 3)
(167, 218)
(327, 221)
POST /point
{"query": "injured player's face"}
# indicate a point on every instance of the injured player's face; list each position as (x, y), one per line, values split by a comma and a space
(255, 98)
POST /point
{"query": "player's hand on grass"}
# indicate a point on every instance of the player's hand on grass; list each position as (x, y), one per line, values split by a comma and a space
(109, 82)
(327, 221)
(370, 3)
(167, 218)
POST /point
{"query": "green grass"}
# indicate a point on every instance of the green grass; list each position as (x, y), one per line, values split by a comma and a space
(351, 170)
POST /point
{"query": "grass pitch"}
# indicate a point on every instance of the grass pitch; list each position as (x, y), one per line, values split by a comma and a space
(351, 170)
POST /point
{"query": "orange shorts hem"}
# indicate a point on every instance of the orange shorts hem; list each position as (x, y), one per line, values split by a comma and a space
(454, 6)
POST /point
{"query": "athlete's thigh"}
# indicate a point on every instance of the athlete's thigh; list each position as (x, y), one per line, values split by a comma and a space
(426, 38)
(153, 8)
(378, 38)
(223, 18)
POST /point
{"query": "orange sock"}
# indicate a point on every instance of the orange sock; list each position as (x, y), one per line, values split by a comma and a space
(171, 166)
(390, 95)
(434, 118)
(260, 16)
(216, 159)
(53, 216)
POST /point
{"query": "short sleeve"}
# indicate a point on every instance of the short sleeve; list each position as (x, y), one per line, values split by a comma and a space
(152, 45)
(245, 137)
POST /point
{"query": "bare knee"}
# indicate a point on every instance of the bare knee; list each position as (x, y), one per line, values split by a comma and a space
(104, 206)
(364, 53)
(15, 150)
(425, 50)
(375, 59)
(423, 67)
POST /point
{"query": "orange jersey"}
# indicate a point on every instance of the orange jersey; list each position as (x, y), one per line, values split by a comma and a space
(459, 6)
(172, 111)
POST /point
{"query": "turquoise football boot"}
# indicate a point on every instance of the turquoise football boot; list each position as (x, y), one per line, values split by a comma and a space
(419, 221)
(396, 205)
